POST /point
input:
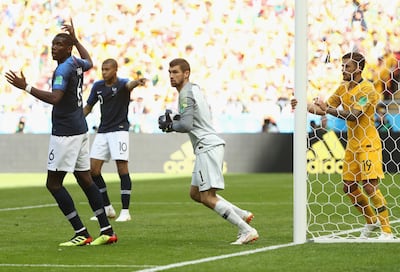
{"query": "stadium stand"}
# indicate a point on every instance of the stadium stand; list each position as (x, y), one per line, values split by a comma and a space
(242, 53)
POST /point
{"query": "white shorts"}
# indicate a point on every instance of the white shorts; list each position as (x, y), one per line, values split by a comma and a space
(69, 153)
(111, 145)
(207, 171)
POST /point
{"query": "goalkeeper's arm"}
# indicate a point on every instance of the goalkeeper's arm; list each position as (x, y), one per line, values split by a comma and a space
(184, 123)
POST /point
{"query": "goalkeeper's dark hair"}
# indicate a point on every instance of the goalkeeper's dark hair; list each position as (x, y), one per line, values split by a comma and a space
(66, 37)
(182, 63)
(356, 57)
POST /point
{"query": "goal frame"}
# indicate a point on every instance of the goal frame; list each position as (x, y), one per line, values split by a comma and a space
(300, 129)
(300, 136)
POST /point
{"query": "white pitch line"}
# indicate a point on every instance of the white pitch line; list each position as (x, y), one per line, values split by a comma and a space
(77, 265)
(139, 203)
(27, 207)
(210, 259)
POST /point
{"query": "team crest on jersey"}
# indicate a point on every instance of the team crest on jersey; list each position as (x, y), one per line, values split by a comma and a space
(182, 106)
(58, 80)
(363, 101)
(79, 71)
(114, 90)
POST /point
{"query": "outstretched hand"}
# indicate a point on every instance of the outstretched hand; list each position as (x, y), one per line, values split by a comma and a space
(15, 80)
(141, 81)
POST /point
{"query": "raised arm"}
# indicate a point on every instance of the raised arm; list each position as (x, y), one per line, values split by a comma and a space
(81, 49)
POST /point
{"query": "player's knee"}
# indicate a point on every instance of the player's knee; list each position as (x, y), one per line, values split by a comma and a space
(370, 191)
(349, 187)
(95, 167)
(195, 196)
(95, 172)
(52, 187)
(49, 187)
(122, 167)
(208, 201)
(370, 187)
(195, 193)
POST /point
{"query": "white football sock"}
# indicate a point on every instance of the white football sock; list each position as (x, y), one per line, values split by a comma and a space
(237, 210)
(226, 211)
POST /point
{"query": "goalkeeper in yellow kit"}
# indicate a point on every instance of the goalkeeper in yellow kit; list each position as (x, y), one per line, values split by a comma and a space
(355, 101)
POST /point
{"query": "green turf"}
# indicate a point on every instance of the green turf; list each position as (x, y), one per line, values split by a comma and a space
(168, 228)
(330, 209)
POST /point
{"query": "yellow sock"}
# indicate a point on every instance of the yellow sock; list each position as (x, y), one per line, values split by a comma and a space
(383, 213)
(360, 201)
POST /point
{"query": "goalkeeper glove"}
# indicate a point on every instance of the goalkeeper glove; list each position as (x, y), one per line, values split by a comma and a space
(165, 121)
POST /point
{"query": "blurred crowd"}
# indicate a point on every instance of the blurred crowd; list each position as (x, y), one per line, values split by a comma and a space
(241, 53)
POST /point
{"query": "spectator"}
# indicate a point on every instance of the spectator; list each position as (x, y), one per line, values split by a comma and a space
(358, 21)
(270, 125)
(21, 125)
(216, 27)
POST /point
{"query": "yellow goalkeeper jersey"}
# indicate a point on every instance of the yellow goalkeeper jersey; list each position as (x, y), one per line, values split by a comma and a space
(362, 135)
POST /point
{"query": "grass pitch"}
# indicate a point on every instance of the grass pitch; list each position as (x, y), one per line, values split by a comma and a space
(169, 232)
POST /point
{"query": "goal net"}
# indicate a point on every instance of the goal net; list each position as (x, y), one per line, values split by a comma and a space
(335, 28)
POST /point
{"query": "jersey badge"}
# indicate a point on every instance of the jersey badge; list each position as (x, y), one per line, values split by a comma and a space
(79, 71)
(114, 91)
(58, 80)
(363, 101)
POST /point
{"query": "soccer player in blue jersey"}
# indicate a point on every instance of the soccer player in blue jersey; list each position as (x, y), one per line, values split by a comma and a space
(112, 138)
(195, 119)
(69, 142)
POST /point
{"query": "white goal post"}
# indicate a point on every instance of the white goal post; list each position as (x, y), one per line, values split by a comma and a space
(322, 213)
(300, 134)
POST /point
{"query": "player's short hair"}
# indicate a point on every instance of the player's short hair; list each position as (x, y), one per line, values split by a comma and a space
(113, 62)
(182, 63)
(356, 57)
(66, 37)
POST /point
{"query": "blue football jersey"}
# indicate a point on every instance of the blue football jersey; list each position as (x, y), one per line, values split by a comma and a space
(114, 102)
(67, 115)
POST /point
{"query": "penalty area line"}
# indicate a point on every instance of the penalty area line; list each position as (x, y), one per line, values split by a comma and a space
(220, 257)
